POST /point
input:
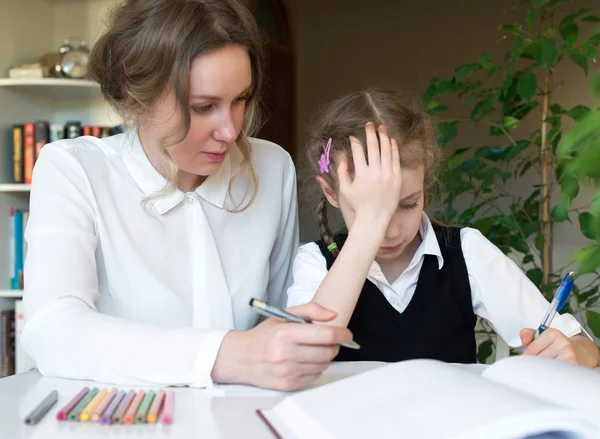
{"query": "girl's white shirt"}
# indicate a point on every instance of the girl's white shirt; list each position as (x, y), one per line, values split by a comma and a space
(500, 292)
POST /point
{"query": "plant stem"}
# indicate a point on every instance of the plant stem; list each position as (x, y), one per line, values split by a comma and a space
(546, 225)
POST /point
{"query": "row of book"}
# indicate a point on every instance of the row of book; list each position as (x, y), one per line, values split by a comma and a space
(13, 358)
(28, 139)
(17, 246)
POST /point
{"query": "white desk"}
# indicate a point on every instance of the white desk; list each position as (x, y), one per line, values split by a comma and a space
(198, 413)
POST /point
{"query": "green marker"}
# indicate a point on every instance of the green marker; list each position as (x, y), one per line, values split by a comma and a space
(74, 415)
(142, 412)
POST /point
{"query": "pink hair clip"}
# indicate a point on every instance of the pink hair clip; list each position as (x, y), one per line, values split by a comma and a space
(324, 160)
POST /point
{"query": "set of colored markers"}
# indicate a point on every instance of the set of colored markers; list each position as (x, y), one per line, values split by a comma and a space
(110, 407)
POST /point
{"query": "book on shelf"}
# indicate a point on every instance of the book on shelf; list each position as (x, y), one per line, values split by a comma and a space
(23, 362)
(7, 342)
(13, 359)
(29, 138)
(516, 397)
(17, 246)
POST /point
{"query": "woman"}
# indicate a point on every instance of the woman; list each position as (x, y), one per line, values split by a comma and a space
(145, 248)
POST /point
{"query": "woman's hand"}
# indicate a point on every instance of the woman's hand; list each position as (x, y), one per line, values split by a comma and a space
(374, 193)
(554, 344)
(280, 355)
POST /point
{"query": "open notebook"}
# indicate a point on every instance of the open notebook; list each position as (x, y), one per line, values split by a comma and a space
(517, 397)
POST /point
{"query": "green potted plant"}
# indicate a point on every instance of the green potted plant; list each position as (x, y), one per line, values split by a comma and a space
(505, 96)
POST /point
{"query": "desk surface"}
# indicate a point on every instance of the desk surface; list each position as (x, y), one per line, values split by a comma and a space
(222, 412)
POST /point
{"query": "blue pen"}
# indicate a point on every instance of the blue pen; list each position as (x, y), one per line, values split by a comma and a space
(559, 300)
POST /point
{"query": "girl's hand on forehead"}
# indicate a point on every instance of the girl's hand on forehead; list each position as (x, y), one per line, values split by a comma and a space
(374, 193)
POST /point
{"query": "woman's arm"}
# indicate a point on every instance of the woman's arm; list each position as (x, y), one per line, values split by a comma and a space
(64, 333)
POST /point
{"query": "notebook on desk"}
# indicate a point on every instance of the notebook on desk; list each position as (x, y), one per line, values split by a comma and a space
(517, 397)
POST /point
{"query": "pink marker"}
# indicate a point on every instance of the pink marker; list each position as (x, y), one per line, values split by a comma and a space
(167, 416)
(62, 414)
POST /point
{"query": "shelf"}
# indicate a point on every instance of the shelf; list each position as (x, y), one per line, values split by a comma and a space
(54, 88)
(15, 187)
(11, 294)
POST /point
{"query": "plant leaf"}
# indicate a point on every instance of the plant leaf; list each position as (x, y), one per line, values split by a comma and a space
(538, 3)
(468, 214)
(594, 39)
(527, 259)
(587, 225)
(588, 259)
(595, 85)
(581, 60)
(446, 132)
(484, 351)
(569, 32)
(518, 244)
(560, 213)
(539, 242)
(591, 18)
(485, 60)
(546, 52)
(526, 86)
(579, 112)
(530, 17)
(593, 321)
(536, 276)
(510, 123)
(483, 107)
(569, 186)
(512, 28)
(555, 3)
(463, 72)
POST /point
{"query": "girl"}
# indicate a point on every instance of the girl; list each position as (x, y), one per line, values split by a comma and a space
(425, 283)
(144, 248)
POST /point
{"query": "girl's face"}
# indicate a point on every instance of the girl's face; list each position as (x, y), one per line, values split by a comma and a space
(406, 221)
(220, 84)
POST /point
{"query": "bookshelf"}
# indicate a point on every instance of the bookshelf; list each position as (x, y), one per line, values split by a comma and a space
(12, 187)
(56, 100)
(11, 294)
(53, 88)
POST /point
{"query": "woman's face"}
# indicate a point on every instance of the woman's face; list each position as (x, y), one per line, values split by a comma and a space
(220, 85)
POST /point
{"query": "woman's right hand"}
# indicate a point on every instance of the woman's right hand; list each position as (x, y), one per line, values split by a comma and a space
(374, 193)
(280, 355)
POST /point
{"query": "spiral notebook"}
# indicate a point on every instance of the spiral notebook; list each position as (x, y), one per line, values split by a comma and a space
(517, 397)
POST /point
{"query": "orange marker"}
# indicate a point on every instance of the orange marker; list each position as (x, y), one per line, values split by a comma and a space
(131, 411)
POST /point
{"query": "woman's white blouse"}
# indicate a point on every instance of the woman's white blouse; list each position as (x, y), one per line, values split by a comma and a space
(123, 286)
(500, 291)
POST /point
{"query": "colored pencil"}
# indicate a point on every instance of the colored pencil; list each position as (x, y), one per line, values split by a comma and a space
(89, 409)
(142, 412)
(155, 408)
(97, 415)
(62, 414)
(107, 415)
(167, 416)
(42, 408)
(74, 414)
(120, 412)
(130, 413)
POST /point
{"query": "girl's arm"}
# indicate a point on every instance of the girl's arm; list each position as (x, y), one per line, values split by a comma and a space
(373, 197)
(504, 295)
